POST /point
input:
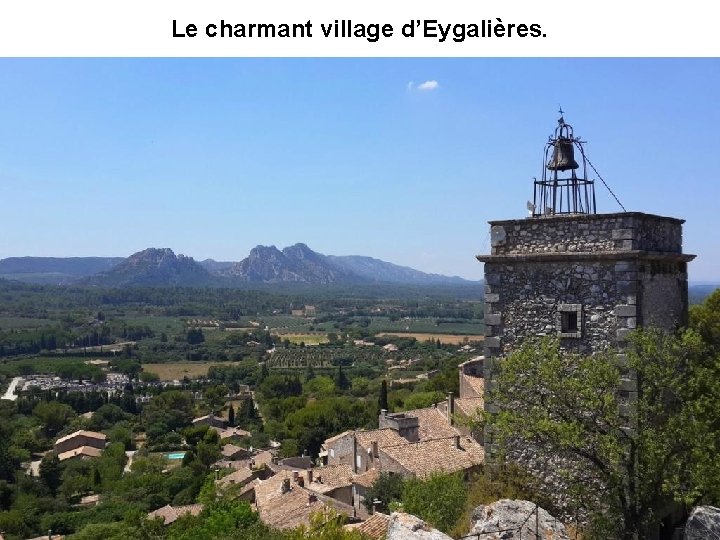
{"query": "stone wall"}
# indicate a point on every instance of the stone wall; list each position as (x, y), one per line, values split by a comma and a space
(524, 300)
(587, 233)
(610, 272)
(341, 450)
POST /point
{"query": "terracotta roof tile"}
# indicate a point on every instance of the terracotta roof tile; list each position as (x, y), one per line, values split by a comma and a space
(469, 406)
(384, 437)
(433, 423)
(239, 477)
(171, 513)
(375, 526)
(332, 475)
(82, 432)
(366, 479)
(229, 450)
(83, 451)
(477, 384)
(437, 455)
(294, 507)
(338, 436)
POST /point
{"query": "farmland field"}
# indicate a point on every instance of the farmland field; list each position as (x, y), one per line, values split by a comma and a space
(308, 339)
(453, 339)
(178, 370)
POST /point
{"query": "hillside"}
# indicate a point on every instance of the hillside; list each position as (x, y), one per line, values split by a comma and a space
(154, 267)
(54, 270)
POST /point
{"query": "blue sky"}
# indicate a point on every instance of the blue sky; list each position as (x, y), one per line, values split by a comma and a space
(213, 156)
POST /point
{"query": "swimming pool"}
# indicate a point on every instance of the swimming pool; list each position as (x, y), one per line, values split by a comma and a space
(175, 455)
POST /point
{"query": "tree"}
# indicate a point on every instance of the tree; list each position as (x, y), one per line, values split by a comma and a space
(51, 472)
(53, 415)
(438, 499)
(383, 399)
(635, 457)
(231, 415)
(325, 525)
(215, 397)
(195, 336)
(386, 489)
(341, 380)
(166, 412)
(705, 319)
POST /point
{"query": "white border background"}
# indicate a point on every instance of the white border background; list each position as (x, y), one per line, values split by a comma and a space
(135, 28)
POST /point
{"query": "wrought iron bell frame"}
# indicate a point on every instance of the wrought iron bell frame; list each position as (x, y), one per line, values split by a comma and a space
(557, 193)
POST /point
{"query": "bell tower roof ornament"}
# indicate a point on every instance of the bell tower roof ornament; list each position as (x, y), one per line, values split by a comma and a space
(564, 187)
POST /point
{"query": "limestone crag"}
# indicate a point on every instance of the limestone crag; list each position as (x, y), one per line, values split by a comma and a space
(703, 523)
(509, 519)
(408, 527)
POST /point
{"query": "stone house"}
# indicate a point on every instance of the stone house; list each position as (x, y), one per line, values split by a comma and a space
(289, 498)
(79, 439)
(84, 452)
(169, 514)
(210, 420)
(446, 455)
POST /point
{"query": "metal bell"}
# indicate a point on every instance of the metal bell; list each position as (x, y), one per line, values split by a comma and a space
(563, 157)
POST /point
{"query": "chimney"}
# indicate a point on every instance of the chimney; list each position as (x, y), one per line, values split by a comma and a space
(456, 442)
(355, 454)
(295, 476)
(450, 408)
(285, 485)
(310, 476)
(375, 452)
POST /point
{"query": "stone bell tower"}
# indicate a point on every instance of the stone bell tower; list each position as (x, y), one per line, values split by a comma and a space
(569, 272)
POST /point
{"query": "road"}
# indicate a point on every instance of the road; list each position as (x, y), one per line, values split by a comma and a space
(10, 393)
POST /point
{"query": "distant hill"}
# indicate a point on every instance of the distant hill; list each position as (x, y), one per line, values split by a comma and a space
(698, 292)
(54, 270)
(377, 270)
(296, 264)
(214, 267)
(154, 267)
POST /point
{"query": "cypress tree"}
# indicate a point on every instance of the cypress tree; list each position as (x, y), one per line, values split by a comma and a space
(383, 400)
(231, 415)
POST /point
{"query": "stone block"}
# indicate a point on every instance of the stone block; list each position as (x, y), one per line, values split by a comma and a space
(492, 279)
(622, 234)
(493, 297)
(628, 385)
(492, 319)
(625, 310)
(621, 334)
(492, 342)
(624, 266)
(627, 287)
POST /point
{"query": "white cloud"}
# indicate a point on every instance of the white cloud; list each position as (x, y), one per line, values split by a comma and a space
(410, 86)
(428, 85)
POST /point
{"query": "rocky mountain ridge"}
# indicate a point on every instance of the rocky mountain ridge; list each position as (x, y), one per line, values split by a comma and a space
(264, 264)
